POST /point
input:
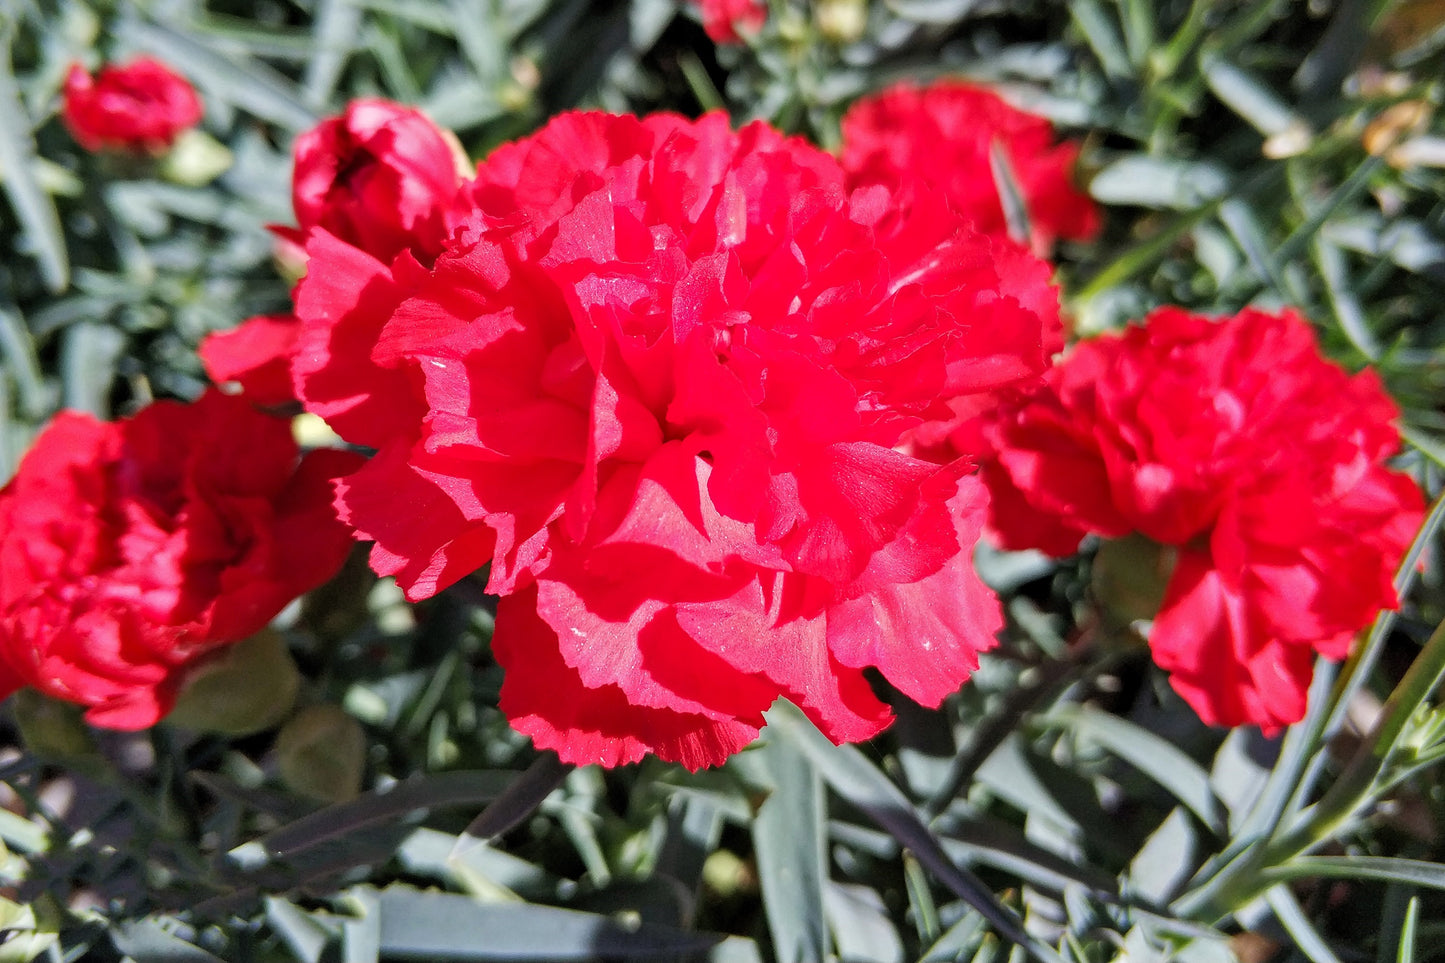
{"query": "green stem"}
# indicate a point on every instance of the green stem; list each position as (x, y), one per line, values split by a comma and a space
(1248, 877)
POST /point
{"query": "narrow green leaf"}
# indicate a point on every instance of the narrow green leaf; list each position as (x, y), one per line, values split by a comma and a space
(1098, 28)
(1152, 755)
(361, 930)
(1010, 195)
(851, 776)
(1166, 859)
(988, 736)
(703, 89)
(997, 844)
(1349, 312)
(920, 899)
(481, 37)
(790, 843)
(146, 939)
(445, 926)
(1249, 97)
(860, 923)
(304, 936)
(247, 83)
(1406, 952)
(18, 350)
(1413, 872)
(1171, 183)
(337, 30)
(33, 207)
(694, 827)
(963, 937)
(1138, 23)
(1352, 187)
(89, 355)
(391, 802)
(1238, 217)
(1292, 917)
(931, 11)
(518, 801)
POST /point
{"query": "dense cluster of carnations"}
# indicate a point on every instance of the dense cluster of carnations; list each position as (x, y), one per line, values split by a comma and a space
(684, 394)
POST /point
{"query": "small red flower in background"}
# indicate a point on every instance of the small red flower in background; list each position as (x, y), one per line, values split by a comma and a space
(1260, 462)
(655, 382)
(129, 549)
(139, 106)
(943, 135)
(379, 176)
(722, 19)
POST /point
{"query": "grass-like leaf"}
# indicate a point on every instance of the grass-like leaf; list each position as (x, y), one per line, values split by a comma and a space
(789, 840)
(1292, 917)
(1414, 872)
(1152, 755)
(444, 926)
(381, 805)
(246, 83)
(518, 801)
(33, 207)
(851, 776)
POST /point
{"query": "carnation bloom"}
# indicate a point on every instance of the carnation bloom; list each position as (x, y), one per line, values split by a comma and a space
(130, 549)
(655, 383)
(722, 19)
(944, 136)
(379, 176)
(139, 106)
(1260, 463)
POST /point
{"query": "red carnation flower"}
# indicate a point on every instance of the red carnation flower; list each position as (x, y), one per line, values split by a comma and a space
(139, 106)
(655, 383)
(379, 176)
(1259, 462)
(130, 549)
(256, 355)
(943, 136)
(722, 19)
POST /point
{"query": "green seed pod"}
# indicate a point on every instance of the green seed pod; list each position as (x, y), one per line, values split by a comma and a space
(322, 753)
(49, 728)
(241, 689)
(1130, 576)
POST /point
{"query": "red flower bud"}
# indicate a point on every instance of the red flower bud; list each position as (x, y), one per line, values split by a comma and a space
(380, 177)
(139, 106)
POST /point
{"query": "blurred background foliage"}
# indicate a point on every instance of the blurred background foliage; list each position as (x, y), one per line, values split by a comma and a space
(1065, 805)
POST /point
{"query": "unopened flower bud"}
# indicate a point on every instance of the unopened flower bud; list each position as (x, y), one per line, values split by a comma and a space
(242, 689)
(842, 21)
(1130, 575)
(322, 752)
(49, 728)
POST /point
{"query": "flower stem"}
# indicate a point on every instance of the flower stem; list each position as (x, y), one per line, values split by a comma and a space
(1247, 878)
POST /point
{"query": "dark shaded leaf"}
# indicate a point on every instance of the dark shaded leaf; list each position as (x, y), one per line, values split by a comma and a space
(390, 802)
